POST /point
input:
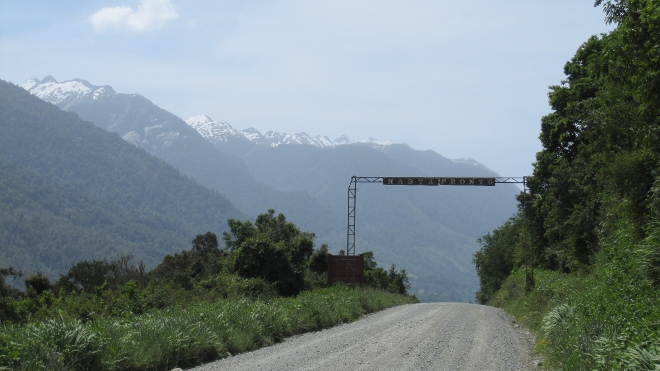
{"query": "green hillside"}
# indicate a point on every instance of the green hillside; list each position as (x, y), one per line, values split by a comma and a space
(162, 134)
(593, 215)
(70, 191)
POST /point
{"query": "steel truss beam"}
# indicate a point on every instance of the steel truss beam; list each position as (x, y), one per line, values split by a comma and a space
(352, 198)
(528, 251)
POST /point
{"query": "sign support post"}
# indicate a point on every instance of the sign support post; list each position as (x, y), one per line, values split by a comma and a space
(438, 181)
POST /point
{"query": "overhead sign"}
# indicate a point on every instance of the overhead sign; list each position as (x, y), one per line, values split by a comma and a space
(439, 181)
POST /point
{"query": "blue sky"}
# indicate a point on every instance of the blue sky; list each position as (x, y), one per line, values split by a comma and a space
(465, 79)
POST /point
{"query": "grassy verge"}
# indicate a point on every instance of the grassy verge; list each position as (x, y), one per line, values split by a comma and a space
(182, 336)
(607, 319)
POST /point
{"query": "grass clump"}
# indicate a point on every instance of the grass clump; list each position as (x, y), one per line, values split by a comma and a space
(607, 319)
(183, 336)
(196, 306)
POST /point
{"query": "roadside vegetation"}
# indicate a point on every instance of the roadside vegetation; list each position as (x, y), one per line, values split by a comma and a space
(590, 226)
(202, 304)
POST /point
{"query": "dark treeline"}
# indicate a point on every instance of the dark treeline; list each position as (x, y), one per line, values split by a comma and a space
(594, 204)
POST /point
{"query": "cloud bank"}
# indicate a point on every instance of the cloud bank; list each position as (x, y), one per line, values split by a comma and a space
(150, 15)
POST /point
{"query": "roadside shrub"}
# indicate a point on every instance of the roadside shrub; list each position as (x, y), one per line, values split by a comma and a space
(395, 281)
(272, 249)
(87, 276)
(183, 335)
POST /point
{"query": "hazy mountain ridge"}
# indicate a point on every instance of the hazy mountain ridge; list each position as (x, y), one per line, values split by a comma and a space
(71, 191)
(219, 132)
(139, 121)
(222, 134)
(429, 232)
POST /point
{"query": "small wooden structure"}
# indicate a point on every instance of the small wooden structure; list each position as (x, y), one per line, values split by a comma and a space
(348, 269)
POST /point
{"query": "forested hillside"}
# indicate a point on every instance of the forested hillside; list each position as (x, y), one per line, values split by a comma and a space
(593, 212)
(70, 191)
(161, 133)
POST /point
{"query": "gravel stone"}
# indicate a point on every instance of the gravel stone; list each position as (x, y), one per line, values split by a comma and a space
(427, 336)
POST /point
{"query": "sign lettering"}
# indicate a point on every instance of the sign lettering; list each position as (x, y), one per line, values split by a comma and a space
(426, 181)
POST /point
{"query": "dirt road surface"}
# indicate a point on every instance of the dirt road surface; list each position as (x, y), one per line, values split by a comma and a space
(428, 336)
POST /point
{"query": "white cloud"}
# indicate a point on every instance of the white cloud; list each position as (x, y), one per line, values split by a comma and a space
(150, 15)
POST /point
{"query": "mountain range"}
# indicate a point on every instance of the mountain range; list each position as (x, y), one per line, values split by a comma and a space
(429, 232)
(70, 191)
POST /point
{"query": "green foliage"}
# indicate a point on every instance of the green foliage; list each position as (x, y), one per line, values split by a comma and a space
(500, 252)
(187, 268)
(318, 262)
(395, 281)
(272, 249)
(600, 143)
(205, 244)
(184, 336)
(260, 257)
(71, 191)
(595, 199)
(604, 320)
(88, 276)
(37, 284)
(8, 310)
(648, 254)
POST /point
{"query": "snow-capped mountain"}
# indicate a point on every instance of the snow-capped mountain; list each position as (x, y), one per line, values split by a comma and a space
(215, 132)
(221, 132)
(139, 121)
(67, 93)
(153, 131)
(161, 132)
(470, 162)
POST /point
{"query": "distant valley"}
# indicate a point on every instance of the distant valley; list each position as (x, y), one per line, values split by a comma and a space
(429, 232)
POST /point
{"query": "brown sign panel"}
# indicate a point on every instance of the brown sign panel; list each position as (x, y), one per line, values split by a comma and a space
(438, 181)
(348, 269)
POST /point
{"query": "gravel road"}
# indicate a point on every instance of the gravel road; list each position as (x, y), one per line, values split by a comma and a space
(428, 336)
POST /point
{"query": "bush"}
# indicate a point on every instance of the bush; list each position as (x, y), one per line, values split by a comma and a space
(272, 249)
(394, 281)
(87, 276)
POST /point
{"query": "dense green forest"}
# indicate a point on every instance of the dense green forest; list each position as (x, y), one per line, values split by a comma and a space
(70, 191)
(200, 304)
(590, 225)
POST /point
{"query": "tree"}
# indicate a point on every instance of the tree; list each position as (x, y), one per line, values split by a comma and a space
(497, 258)
(205, 244)
(272, 249)
(38, 283)
(7, 296)
(599, 167)
(88, 275)
(187, 267)
(394, 281)
(318, 262)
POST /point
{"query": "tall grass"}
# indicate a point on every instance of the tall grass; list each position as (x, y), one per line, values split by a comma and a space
(182, 336)
(608, 319)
